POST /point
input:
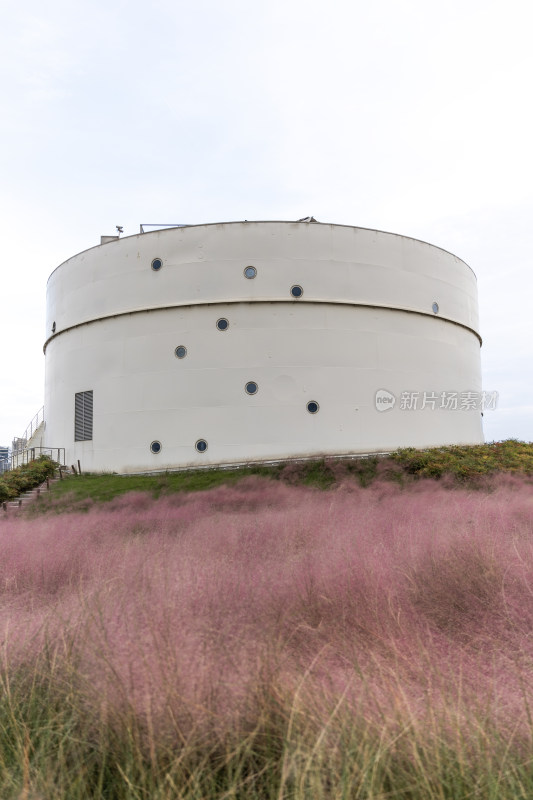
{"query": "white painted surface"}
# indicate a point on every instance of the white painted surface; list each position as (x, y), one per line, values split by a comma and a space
(353, 332)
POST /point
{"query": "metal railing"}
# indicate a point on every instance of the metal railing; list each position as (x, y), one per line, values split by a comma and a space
(31, 453)
(20, 442)
(163, 225)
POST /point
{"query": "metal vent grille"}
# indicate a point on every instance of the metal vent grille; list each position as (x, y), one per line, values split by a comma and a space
(83, 416)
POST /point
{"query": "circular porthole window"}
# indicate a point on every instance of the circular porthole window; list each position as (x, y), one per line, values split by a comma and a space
(155, 447)
(297, 291)
(251, 387)
(157, 264)
(222, 324)
(250, 272)
(180, 351)
(435, 308)
(312, 406)
(201, 445)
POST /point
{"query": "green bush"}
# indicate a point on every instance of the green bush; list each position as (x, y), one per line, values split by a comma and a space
(26, 477)
(467, 461)
(5, 492)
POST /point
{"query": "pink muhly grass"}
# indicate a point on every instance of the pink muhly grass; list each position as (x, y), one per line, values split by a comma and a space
(193, 611)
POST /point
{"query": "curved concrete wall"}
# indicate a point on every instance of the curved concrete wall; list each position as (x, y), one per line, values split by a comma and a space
(365, 322)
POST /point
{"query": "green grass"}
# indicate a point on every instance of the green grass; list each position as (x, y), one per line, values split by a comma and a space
(50, 747)
(465, 464)
(102, 487)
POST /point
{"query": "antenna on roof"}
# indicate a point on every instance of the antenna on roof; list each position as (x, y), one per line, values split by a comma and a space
(120, 229)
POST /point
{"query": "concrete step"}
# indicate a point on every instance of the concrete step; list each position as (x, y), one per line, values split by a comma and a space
(25, 498)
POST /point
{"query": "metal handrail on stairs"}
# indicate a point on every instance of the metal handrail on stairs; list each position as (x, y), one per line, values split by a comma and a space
(20, 442)
(25, 450)
(31, 453)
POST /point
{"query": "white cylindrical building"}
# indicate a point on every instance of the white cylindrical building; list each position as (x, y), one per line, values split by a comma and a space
(247, 341)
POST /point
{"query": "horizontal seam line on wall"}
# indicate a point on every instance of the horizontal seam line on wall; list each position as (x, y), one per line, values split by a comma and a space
(239, 302)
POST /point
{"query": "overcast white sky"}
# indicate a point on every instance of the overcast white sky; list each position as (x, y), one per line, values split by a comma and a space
(413, 117)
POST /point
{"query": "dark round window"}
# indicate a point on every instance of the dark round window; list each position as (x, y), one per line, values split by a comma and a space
(312, 407)
(180, 351)
(435, 308)
(222, 324)
(251, 387)
(297, 291)
(250, 272)
(155, 447)
(201, 445)
(157, 264)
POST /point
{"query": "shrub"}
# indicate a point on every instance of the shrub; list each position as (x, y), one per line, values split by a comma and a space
(468, 462)
(6, 493)
(26, 477)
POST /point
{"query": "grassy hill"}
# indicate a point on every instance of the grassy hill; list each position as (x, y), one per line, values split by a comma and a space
(461, 465)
